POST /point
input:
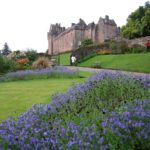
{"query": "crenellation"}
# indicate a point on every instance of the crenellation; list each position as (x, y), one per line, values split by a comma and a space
(61, 39)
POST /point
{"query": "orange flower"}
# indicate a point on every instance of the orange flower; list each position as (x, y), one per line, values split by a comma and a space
(104, 51)
(22, 60)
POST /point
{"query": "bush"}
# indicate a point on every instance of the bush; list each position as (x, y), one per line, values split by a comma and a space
(41, 63)
(137, 49)
(31, 55)
(86, 42)
(22, 63)
(118, 47)
(6, 65)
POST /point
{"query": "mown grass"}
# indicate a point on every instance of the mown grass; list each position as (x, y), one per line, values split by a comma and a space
(128, 62)
(65, 59)
(16, 97)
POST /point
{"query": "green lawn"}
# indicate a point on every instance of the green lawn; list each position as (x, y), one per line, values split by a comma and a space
(129, 62)
(65, 59)
(18, 96)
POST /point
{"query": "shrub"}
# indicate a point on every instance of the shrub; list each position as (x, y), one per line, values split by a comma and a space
(86, 42)
(137, 49)
(31, 55)
(16, 55)
(6, 65)
(22, 63)
(118, 47)
(41, 63)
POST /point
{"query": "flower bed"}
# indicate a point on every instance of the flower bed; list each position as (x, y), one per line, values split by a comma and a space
(56, 72)
(110, 111)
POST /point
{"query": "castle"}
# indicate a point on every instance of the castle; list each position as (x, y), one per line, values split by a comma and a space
(61, 39)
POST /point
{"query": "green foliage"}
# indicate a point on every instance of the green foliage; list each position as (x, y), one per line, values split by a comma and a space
(6, 50)
(137, 49)
(31, 55)
(86, 58)
(86, 42)
(120, 47)
(138, 23)
(6, 65)
(107, 94)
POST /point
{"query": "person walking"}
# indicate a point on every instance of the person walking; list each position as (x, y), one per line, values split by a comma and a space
(73, 60)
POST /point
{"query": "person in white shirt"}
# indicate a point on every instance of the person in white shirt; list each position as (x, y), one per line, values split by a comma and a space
(73, 60)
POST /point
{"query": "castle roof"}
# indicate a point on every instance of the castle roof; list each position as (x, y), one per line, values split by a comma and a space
(108, 21)
(58, 31)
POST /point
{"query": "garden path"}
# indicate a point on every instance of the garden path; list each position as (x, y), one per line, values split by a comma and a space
(108, 70)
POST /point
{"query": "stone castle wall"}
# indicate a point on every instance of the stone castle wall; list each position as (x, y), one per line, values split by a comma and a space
(132, 42)
(62, 40)
(138, 41)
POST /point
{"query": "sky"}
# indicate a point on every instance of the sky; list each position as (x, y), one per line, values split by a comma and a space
(24, 23)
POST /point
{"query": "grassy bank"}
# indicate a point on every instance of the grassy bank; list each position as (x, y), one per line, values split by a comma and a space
(129, 62)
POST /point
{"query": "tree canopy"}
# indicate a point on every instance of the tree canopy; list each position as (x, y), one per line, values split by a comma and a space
(138, 23)
(6, 50)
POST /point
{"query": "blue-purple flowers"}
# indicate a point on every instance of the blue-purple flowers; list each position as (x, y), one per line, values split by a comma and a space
(56, 72)
(109, 111)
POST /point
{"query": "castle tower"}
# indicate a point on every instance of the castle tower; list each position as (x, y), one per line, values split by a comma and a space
(54, 31)
(106, 29)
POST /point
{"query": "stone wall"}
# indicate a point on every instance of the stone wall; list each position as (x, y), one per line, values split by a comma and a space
(64, 43)
(138, 41)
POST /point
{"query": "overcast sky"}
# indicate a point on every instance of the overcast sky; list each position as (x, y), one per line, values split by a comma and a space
(25, 23)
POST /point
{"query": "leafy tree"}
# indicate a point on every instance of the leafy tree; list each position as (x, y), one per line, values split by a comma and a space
(31, 54)
(86, 42)
(138, 23)
(6, 50)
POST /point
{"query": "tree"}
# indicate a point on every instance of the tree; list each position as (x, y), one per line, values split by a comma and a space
(138, 23)
(6, 50)
(31, 54)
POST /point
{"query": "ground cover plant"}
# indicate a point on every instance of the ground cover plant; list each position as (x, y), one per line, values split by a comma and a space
(109, 111)
(55, 72)
(128, 62)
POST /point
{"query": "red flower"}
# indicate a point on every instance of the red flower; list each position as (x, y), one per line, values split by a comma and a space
(147, 43)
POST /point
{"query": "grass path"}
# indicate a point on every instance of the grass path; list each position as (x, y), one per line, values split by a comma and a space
(16, 97)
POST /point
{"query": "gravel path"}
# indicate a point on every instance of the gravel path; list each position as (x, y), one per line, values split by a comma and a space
(108, 70)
